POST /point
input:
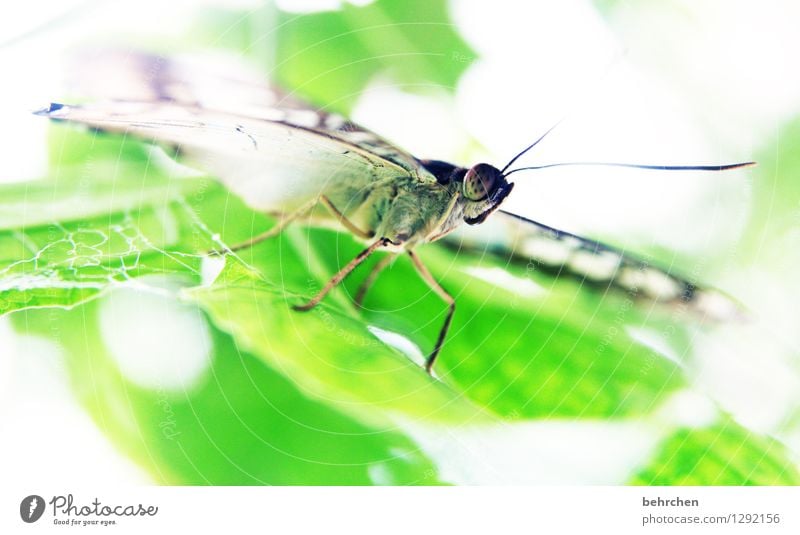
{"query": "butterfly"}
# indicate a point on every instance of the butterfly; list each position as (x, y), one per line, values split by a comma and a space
(285, 157)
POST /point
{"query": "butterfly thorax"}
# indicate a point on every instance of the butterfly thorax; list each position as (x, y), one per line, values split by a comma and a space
(406, 211)
(424, 212)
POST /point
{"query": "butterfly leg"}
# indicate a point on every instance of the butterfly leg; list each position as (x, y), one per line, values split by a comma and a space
(446, 297)
(282, 223)
(346, 223)
(370, 280)
(344, 272)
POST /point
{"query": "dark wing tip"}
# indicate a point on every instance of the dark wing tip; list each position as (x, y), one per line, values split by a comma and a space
(52, 108)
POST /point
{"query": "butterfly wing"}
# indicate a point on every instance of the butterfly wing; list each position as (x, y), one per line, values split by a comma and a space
(273, 150)
(560, 253)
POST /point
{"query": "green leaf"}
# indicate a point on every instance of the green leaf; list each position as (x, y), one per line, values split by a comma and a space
(560, 351)
(415, 42)
(54, 256)
(79, 194)
(241, 423)
(327, 350)
(108, 214)
(722, 454)
(330, 57)
(318, 398)
(565, 353)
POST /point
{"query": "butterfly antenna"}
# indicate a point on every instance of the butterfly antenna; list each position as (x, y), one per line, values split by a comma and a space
(725, 167)
(529, 147)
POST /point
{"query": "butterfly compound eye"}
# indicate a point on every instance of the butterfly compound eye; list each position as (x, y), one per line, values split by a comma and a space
(480, 181)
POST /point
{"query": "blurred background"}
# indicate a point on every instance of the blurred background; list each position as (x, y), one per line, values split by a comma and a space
(667, 82)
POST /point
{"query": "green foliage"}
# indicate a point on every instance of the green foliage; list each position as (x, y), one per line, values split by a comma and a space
(243, 423)
(525, 357)
(326, 351)
(321, 397)
(723, 454)
(330, 57)
(64, 241)
(302, 398)
(414, 41)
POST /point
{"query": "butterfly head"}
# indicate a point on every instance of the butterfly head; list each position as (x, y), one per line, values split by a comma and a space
(484, 188)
